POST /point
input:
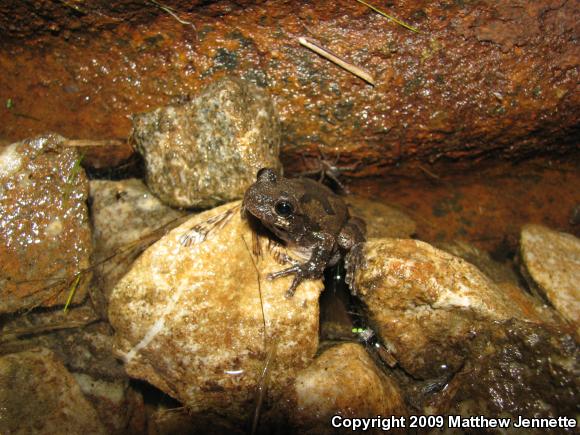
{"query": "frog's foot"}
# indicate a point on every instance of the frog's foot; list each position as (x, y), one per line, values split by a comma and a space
(301, 272)
(295, 270)
(353, 262)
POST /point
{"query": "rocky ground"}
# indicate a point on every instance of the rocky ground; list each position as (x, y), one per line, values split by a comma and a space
(183, 303)
(135, 297)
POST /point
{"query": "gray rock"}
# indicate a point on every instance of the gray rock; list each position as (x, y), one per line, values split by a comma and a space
(45, 237)
(426, 303)
(382, 220)
(207, 151)
(190, 319)
(551, 263)
(126, 219)
(342, 381)
(38, 395)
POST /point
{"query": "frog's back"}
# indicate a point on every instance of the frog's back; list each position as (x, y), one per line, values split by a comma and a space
(326, 210)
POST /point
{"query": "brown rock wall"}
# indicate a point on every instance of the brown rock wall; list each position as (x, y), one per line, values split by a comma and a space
(482, 77)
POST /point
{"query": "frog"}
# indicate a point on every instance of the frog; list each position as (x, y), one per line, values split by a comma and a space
(310, 219)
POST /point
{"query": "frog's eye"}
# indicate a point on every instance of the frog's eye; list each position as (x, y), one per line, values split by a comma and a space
(283, 208)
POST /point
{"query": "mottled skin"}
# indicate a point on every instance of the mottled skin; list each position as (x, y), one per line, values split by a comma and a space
(311, 219)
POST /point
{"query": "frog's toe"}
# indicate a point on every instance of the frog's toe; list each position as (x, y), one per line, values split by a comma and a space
(295, 283)
(298, 278)
(284, 272)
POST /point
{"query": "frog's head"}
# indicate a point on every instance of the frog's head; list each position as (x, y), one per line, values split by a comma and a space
(273, 200)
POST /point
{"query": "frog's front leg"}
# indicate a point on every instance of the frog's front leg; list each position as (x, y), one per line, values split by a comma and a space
(351, 239)
(352, 262)
(313, 268)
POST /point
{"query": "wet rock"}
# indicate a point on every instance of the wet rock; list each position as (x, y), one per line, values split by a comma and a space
(190, 319)
(82, 349)
(126, 219)
(342, 381)
(382, 220)
(497, 272)
(86, 351)
(515, 369)
(45, 239)
(179, 421)
(38, 395)
(117, 406)
(505, 278)
(40, 322)
(207, 151)
(89, 350)
(426, 304)
(551, 261)
(438, 94)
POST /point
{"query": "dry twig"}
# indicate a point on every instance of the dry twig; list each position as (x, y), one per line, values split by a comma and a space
(353, 69)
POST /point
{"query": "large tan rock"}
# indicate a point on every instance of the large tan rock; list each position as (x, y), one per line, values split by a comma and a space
(191, 319)
(426, 304)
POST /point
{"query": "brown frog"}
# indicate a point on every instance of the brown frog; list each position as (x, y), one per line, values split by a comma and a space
(310, 219)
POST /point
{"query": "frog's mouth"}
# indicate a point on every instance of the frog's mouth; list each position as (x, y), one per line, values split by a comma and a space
(282, 226)
(279, 229)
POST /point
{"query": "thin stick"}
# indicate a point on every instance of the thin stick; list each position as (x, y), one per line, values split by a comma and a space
(93, 143)
(265, 337)
(428, 172)
(359, 72)
(271, 351)
(171, 12)
(390, 17)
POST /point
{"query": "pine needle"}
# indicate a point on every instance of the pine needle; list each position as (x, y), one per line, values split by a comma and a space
(92, 143)
(72, 291)
(390, 17)
(72, 176)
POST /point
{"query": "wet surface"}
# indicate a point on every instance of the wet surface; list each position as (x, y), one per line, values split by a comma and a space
(464, 87)
(518, 368)
(45, 237)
